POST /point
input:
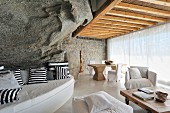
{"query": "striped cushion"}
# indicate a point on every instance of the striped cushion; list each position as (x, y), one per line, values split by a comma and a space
(17, 74)
(9, 95)
(60, 64)
(37, 76)
(61, 69)
(61, 73)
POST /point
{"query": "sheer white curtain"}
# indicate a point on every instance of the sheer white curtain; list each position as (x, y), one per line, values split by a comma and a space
(118, 50)
(138, 49)
(149, 47)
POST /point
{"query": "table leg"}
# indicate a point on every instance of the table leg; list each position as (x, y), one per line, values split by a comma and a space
(127, 101)
(148, 111)
(99, 73)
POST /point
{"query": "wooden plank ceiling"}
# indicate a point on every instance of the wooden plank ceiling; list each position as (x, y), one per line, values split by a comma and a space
(120, 17)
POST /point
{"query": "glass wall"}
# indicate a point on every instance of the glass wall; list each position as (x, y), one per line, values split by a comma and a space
(149, 47)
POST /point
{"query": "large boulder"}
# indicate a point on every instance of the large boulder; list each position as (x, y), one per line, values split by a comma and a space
(31, 31)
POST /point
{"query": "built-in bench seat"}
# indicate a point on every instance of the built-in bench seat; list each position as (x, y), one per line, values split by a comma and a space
(41, 98)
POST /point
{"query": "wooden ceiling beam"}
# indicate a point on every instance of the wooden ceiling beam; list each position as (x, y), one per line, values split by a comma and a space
(158, 2)
(103, 36)
(120, 23)
(97, 32)
(143, 9)
(100, 34)
(165, 0)
(122, 19)
(100, 13)
(136, 16)
(111, 36)
(104, 31)
(111, 29)
(101, 31)
(106, 37)
(115, 26)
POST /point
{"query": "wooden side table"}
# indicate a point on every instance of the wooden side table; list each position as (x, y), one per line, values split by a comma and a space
(98, 68)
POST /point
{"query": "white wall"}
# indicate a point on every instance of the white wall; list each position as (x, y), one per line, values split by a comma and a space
(149, 47)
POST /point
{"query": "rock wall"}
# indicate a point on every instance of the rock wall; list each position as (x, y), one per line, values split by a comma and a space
(91, 50)
(31, 31)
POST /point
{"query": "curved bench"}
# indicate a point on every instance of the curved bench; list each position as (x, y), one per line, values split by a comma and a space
(41, 98)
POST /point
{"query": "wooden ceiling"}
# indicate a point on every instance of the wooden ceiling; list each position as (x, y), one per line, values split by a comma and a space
(120, 17)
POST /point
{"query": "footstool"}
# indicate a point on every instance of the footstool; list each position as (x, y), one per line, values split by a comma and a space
(99, 102)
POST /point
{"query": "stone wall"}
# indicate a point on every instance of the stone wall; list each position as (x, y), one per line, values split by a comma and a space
(91, 50)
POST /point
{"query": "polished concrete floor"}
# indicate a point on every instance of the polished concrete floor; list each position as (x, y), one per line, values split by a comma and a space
(86, 85)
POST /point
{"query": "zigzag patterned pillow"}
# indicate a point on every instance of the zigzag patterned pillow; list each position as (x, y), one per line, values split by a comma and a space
(9, 95)
(17, 74)
(37, 76)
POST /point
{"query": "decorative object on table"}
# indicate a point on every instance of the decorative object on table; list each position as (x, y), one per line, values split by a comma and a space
(161, 96)
(108, 62)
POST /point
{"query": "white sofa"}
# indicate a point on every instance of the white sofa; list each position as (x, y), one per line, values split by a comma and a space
(41, 98)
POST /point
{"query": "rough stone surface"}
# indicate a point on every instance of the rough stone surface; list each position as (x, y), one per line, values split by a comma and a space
(31, 31)
(91, 50)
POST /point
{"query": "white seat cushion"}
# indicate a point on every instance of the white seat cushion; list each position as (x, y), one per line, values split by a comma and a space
(80, 105)
(97, 102)
(138, 83)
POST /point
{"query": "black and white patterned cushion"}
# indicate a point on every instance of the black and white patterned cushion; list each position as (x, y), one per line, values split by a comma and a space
(61, 68)
(9, 95)
(17, 74)
(61, 73)
(37, 76)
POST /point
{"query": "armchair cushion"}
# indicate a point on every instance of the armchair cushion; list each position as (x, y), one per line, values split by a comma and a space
(138, 83)
(143, 71)
(134, 73)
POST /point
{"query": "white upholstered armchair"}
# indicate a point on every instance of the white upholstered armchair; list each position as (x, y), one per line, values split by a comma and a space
(139, 77)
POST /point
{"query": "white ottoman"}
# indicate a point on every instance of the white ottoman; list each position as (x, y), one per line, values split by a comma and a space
(80, 106)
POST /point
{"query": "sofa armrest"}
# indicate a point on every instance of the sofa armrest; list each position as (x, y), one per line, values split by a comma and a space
(127, 77)
(152, 76)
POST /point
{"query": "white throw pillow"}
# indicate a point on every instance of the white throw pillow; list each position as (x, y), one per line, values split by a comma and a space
(8, 81)
(97, 102)
(143, 71)
(134, 73)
